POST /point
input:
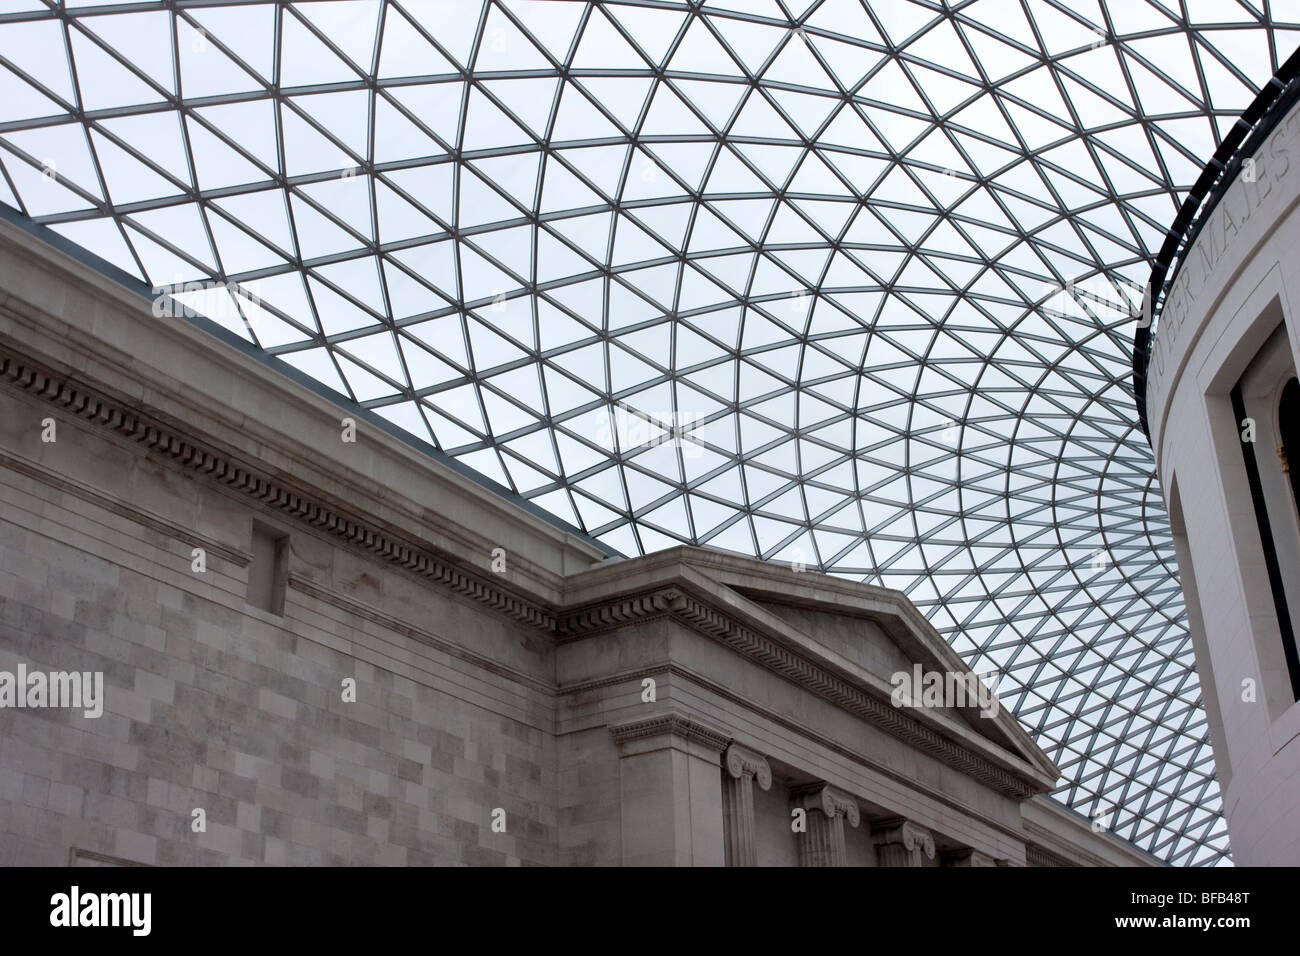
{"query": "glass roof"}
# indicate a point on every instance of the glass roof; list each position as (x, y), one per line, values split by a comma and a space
(837, 284)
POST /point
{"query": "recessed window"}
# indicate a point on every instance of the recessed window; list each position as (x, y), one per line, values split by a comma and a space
(1266, 405)
(266, 571)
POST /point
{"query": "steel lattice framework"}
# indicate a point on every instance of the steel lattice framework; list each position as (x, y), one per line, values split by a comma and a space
(836, 283)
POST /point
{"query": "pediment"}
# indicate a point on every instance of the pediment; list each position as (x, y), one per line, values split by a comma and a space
(856, 633)
(938, 685)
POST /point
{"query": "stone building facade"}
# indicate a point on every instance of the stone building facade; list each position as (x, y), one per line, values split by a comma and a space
(318, 650)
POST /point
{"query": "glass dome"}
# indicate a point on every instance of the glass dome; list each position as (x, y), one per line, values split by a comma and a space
(840, 284)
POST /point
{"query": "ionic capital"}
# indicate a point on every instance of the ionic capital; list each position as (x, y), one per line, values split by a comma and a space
(743, 762)
(829, 800)
(898, 832)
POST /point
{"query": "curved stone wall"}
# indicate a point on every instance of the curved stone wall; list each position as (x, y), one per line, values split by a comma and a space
(1228, 321)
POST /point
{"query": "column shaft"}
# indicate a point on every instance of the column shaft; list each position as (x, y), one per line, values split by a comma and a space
(741, 767)
(825, 808)
(823, 844)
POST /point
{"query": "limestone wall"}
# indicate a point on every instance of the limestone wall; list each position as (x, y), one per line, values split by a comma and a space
(213, 704)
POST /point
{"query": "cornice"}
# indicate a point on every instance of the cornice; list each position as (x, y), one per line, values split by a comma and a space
(84, 318)
(673, 723)
(605, 616)
(283, 495)
(676, 603)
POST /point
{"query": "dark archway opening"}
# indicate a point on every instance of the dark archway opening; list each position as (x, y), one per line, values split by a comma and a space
(1288, 426)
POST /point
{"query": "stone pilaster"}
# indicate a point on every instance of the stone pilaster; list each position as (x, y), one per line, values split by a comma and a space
(670, 794)
(741, 768)
(900, 842)
(826, 809)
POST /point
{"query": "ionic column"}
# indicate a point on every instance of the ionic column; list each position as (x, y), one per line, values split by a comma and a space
(742, 768)
(825, 809)
(900, 842)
